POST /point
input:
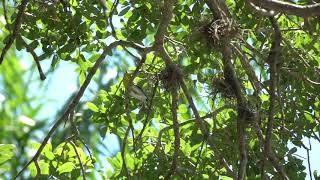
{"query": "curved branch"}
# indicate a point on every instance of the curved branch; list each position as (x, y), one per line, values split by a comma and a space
(35, 58)
(288, 8)
(16, 29)
(71, 106)
(79, 159)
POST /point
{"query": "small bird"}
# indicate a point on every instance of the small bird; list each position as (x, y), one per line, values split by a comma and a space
(134, 90)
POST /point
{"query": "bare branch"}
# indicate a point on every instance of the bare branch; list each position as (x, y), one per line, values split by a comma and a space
(162, 28)
(230, 76)
(36, 59)
(219, 9)
(308, 156)
(4, 7)
(123, 148)
(302, 78)
(260, 10)
(38, 170)
(175, 124)
(288, 8)
(114, 7)
(149, 112)
(16, 29)
(79, 159)
(249, 70)
(158, 46)
(204, 128)
(272, 60)
(71, 106)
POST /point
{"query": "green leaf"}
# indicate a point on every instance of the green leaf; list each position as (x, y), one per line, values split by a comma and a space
(6, 152)
(124, 11)
(19, 43)
(92, 107)
(292, 150)
(44, 167)
(308, 117)
(182, 108)
(66, 167)
(49, 155)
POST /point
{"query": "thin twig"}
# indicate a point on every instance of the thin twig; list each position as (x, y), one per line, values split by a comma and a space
(38, 170)
(175, 124)
(149, 112)
(129, 118)
(113, 8)
(88, 149)
(70, 107)
(130, 83)
(316, 136)
(308, 156)
(16, 29)
(4, 6)
(204, 129)
(124, 164)
(249, 70)
(79, 159)
(199, 155)
(302, 77)
(35, 58)
(61, 154)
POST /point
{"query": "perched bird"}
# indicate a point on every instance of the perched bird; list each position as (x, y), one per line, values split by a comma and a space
(134, 90)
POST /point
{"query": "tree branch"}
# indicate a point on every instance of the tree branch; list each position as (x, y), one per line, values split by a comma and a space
(71, 106)
(176, 132)
(158, 46)
(4, 7)
(288, 8)
(162, 28)
(149, 112)
(16, 29)
(204, 129)
(308, 156)
(79, 159)
(114, 6)
(124, 164)
(272, 60)
(209, 115)
(230, 76)
(221, 11)
(36, 60)
(249, 70)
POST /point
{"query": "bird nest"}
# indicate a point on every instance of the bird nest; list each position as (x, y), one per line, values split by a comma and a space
(221, 31)
(170, 77)
(221, 86)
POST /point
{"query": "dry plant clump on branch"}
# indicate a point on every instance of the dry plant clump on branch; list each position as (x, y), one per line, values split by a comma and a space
(170, 77)
(220, 31)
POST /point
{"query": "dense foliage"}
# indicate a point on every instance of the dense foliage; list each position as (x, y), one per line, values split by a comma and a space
(232, 88)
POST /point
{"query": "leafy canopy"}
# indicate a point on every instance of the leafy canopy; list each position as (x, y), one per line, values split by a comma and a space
(232, 86)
